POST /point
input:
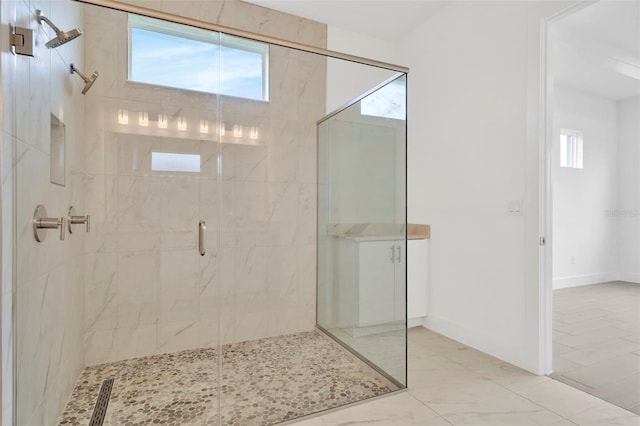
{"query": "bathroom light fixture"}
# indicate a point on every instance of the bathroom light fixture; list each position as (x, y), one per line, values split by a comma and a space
(204, 126)
(182, 123)
(62, 37)
(143, 119)
(123, 116)
(222, 130)
(88, 81)
(162, 121)
(253, 133)
(237, 131)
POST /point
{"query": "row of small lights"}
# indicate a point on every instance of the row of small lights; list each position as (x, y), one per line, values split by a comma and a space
(163, 123)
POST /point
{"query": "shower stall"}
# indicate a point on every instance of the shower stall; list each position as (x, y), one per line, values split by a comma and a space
(201, 224)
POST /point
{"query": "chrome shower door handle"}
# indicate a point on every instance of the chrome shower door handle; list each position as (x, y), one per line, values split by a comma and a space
(202, 228)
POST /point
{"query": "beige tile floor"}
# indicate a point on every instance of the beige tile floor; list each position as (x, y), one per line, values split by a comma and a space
(596, 341)
(452, 384)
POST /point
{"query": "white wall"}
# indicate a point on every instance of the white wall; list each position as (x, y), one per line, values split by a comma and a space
(585, 201)
(629, 189)
(473, 146)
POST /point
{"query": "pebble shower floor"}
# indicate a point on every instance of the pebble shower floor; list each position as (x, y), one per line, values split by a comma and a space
(265, 382)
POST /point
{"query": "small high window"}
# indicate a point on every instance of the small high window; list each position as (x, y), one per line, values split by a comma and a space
(570, 148)
(173, 55)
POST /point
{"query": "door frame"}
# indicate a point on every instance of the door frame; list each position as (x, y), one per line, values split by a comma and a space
(546, 185)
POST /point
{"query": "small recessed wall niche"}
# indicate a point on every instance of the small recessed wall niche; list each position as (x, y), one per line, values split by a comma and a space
(57, 151)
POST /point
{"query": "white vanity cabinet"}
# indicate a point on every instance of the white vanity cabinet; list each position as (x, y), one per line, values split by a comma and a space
(381, 285)
(417, 281)
(380, 281)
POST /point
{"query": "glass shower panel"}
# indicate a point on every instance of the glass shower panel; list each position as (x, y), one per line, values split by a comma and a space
(268, 242)
(362, 227)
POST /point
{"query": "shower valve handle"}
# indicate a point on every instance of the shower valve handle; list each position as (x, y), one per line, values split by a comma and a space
(72, 219)
(41, 221)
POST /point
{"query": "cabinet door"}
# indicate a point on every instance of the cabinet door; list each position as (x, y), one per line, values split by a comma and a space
(418, 255)
(400, 286)
(376, 282)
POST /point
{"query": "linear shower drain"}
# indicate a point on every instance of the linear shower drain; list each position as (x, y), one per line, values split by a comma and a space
(100, 410)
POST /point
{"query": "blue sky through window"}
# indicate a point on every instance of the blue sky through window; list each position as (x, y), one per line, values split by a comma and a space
(188, 63)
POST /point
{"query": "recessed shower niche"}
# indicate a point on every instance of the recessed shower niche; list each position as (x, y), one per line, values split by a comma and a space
(57, 152)
(215, 324)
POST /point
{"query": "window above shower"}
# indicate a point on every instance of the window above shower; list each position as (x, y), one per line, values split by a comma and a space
(197, 59)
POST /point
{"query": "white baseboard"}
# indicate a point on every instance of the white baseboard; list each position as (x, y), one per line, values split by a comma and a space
(511, 353)
(630, 277)
(416, 322)
(580, 280)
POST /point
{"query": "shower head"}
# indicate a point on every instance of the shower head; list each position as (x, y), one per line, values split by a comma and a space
(88, 81)
(61, 37)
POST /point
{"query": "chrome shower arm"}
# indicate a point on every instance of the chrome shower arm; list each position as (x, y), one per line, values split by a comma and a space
(77, 71)
(41, 18)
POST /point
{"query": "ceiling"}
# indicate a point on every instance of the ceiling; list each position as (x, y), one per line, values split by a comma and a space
(385, 19)
(597, 49)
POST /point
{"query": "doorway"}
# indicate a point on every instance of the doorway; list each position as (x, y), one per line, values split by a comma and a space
(593, 78)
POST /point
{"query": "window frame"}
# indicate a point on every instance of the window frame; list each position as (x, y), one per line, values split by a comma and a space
(576, 161)
(217, 38)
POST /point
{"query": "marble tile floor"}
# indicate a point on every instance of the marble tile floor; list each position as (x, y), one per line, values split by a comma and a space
(452, 384)
(596, 341)
(264, 382)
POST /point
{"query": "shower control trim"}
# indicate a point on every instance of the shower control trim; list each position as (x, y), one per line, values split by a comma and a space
(72, 219)
(42, 222)
(202, 228)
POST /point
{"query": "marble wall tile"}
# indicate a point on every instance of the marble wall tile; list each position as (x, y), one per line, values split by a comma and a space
(209, 272)
(282, 278)
(138, 288)
(166, 294)
(251, 162)
(307, 154)
(50, 291)
(139, 203)
(134, 342)
(103, 49)
(100, 298)
(283, 148)
(102, 204)
(209, 336)
(179, 207)
(178, 336)
(307, 214)
(250, 279)
(283, 321)
(307, 286)
(283, 202)
(100, 347)
(178, 286)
